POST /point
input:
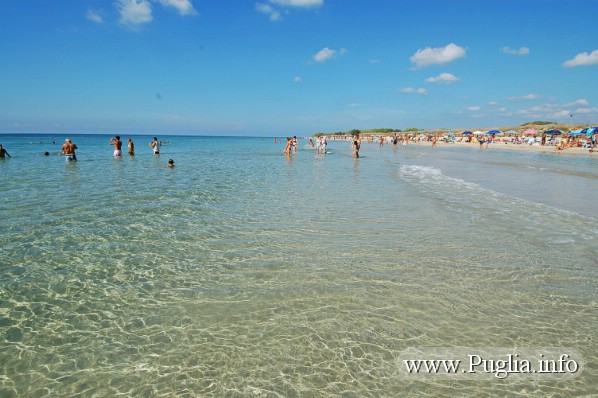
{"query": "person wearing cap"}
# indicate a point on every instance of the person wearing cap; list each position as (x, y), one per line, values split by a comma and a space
(170, 163)
(68, 150)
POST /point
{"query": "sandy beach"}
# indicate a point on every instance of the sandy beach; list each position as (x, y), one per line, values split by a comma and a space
(519, 147)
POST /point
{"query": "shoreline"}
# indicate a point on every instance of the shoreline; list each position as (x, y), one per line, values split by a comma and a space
(520, 147)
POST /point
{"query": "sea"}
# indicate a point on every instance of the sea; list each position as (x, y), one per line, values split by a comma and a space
(243, 272)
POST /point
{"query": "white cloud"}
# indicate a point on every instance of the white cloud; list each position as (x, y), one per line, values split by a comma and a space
(375, 61)
(184, 7)
(587, 110)
(528, 97)
(441, 55)
(298, 3)
(297, 79)
(582, 59)
(94, 16)
(473, 108)
(512, 51)
(134, 12)
(326, 53)
(492, 103)
(268, 10)
(443, 78)
(273, 10)
(562, 112)
(582, 102)
(411, 90)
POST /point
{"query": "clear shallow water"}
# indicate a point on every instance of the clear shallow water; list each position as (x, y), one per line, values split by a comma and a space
(242, 272)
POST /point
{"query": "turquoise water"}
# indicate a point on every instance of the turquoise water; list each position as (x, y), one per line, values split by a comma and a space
(243, 272)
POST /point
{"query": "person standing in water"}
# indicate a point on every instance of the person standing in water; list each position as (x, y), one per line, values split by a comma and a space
(356, 145)
(118, 144)
(131, 147)
(4, 152)
(155, 144)
(68, 150)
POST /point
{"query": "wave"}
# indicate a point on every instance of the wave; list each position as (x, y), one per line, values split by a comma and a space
(537, 219)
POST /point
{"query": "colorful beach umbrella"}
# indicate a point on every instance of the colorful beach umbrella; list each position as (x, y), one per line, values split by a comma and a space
(492, 132)
(589, 131)
(554, 132)
(466, 133)
(511, 132)
(575, 132)
(530, 132)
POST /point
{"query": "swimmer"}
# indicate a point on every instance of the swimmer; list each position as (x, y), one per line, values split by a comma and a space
(170, 163)
(4, 152)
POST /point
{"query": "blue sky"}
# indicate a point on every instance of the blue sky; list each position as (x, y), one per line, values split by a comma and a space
(294, 67)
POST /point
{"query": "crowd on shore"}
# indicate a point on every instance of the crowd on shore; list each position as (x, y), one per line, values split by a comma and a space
(556, 140)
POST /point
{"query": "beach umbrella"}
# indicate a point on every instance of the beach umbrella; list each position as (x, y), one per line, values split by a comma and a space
(530, 132)
(493, 132)
(575, 132)
(466, 133)
(554, 132)
(511, 132)
(589, 131)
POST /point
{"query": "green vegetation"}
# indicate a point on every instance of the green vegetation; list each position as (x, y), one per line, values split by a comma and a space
(537, 123)
(377, 131)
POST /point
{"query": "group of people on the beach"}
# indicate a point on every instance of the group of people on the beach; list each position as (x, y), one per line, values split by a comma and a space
(68, 149)
(484, 140)
(320, 145)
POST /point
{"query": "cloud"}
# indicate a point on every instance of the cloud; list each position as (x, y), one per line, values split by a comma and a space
(529, 97)
(443, 78)
(411, 90)
(94, 16)
(582, 59)
(275, 8)
(297, 79)
(375, 61)
(559, 111)
(437, 56)
(268, 10)
(184, 7)
(134, 12)
(512, 51)
(326, 53)
(473, 108)
(587, 110)
(579, 102)
(298, 3)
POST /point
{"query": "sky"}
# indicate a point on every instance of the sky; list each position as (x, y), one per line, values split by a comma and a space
(294, 67)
